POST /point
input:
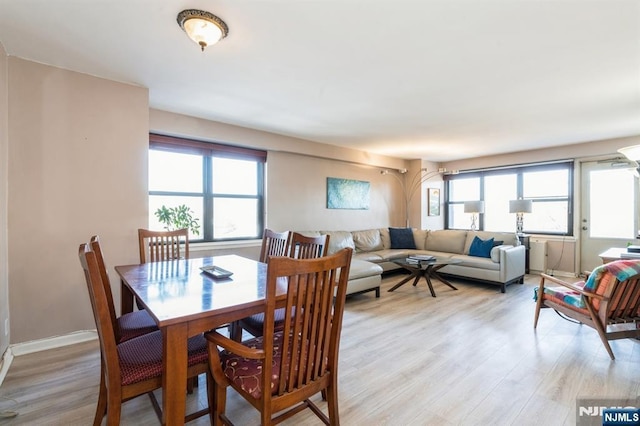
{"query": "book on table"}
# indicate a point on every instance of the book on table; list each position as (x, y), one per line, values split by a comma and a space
(629, 255)
(420, 257)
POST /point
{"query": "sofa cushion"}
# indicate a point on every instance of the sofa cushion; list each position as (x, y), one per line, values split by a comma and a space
(507, 238)
(369, 256)
(387, 255)
(402, 238)
(420, 238)
(360, 268)
(368, 240)
(480, 247)
(339, 240)
(475, 262)
(446, 240)
(386, 240)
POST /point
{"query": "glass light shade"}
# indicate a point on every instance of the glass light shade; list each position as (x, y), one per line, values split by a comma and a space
(203, 32)
(631, 152)
(202, 27)
(520, 206)
(474, 206)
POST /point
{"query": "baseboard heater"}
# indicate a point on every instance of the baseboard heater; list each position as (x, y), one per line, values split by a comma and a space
(538, 256)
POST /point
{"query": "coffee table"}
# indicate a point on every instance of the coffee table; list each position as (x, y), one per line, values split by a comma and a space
(426, 269)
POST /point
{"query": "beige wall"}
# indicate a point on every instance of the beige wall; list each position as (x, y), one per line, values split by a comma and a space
(77, 167)
(297, 198)
(576, 151)
(296, 175)
(4, 181)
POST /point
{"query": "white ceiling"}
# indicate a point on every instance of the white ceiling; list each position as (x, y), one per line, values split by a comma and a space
(438, 80)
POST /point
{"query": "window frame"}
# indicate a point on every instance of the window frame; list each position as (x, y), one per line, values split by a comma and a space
(208, 150)
(519, 171)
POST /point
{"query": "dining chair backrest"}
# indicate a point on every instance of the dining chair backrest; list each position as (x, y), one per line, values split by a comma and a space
(106, 283)
(302, 359)
(305, 247)
(274, 244)
(157, 246)
(101, 312)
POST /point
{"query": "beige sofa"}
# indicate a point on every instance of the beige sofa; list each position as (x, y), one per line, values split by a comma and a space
(374, 255)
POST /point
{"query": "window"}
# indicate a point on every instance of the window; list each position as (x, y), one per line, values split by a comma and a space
(222, 185)
(548, 186)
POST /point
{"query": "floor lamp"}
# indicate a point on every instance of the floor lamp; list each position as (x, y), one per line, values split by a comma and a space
(411, 185)
(519, 207)
(474, 207)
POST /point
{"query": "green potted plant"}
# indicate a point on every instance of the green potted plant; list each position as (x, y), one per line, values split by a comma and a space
(178, 217)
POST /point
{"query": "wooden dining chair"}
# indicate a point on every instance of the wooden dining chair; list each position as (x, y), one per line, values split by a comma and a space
(128, 325)
(302, 247)
(608, 301)
(274, 244)
(156, 246)
(134, 367)
(306, 247)
(282, 369)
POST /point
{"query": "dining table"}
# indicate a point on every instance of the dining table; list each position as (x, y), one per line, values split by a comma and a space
(186, 300)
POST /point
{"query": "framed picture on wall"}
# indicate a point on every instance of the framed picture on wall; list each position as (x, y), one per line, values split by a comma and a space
(348, 194)
(433, 201)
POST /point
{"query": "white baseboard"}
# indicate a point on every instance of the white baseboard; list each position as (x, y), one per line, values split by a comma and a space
(6, 361)
(565, 274)
(53, 342)
(42, 345)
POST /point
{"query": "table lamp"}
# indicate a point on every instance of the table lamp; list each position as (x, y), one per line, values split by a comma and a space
(519, 207)
(474, 207)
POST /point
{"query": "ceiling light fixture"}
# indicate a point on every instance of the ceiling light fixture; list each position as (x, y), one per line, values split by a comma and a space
(202, 27)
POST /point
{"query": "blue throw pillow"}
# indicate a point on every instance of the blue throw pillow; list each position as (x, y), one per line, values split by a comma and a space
(481, 248)
(402, 238)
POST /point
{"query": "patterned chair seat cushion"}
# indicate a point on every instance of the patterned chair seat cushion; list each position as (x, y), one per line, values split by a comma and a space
(141, 357)
(246, 373)
(564, 296)
(135, 324)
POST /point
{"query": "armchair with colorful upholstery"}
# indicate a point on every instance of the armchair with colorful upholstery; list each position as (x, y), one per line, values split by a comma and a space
(608, 301)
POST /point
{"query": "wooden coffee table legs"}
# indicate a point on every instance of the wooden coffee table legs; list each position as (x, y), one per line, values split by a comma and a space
(431, 271)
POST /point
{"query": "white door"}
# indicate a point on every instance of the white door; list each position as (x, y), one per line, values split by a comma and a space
(609, 209)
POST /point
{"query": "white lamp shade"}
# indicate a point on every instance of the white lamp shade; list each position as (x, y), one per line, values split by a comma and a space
(520, 206)
(631, 152)
(474, 206)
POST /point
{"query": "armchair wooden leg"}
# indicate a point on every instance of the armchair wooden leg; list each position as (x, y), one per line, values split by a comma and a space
(540, 295)
(601, 331)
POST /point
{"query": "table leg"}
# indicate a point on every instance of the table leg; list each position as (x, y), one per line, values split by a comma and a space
(126, 299)
(426, 277)
(415, 275)
(433, 272)
(174, 379)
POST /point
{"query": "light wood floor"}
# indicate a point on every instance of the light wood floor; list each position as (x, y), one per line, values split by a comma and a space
(467, 357)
